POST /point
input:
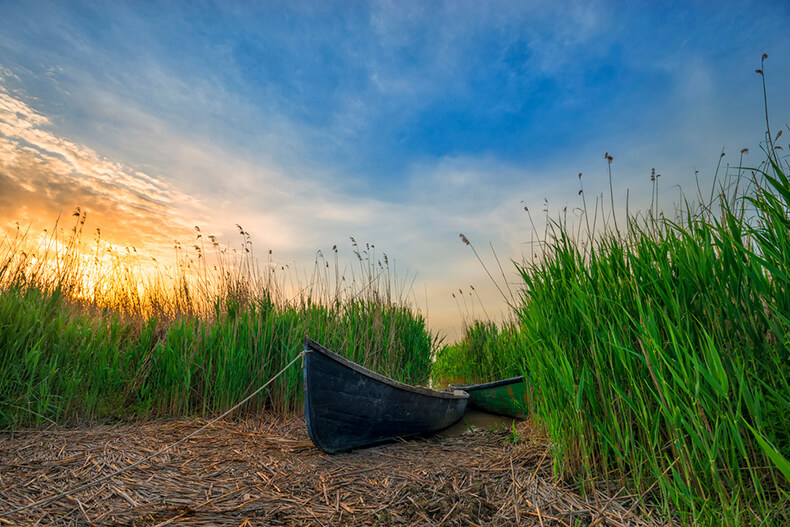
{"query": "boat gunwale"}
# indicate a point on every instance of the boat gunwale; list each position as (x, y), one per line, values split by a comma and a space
(311, 345)
(488, 385)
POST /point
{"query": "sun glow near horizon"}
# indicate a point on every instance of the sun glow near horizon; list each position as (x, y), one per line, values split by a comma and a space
(127, 245)
(196, 278)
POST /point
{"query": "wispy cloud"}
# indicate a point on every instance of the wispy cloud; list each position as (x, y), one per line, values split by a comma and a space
(42, 175)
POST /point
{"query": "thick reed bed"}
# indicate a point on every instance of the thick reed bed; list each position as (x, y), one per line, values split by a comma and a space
(659, 352)
(661, 356)
(486, 352)
(77, 343)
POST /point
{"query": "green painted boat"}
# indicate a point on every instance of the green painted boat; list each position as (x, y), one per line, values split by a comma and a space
(510, 397)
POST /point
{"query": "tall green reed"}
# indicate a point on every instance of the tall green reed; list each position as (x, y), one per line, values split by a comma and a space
(487, 352)
(660, 352)
(191, 339)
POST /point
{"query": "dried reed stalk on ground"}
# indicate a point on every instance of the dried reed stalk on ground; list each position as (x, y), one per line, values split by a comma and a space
(265, 471)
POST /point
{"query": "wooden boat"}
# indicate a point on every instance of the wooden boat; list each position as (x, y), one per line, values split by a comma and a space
(348, 406)
(508, 397)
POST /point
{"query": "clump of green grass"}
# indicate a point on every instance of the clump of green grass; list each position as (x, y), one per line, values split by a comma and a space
(660, 352)
(653, 354)
(487, 352)
(82, 338)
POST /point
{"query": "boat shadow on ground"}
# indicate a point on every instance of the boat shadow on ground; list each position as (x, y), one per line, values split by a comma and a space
(476, 421)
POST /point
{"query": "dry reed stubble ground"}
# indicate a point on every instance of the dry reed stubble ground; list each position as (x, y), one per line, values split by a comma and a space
(265, 471)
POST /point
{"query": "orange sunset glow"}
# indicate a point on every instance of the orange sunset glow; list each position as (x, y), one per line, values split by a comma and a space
(44, 177)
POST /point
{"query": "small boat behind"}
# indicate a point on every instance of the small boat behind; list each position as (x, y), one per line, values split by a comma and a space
(508, 397)
(348, 406)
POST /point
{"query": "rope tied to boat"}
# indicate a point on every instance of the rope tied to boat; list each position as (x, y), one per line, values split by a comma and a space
(152, 456)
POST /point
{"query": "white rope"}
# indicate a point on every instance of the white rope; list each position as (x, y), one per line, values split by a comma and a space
(152, 456)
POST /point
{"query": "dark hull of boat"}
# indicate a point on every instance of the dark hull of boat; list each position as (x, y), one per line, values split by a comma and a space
(508, 397)
(348, 406)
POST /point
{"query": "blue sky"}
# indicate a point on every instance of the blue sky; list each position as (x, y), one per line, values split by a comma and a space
(399, 123)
